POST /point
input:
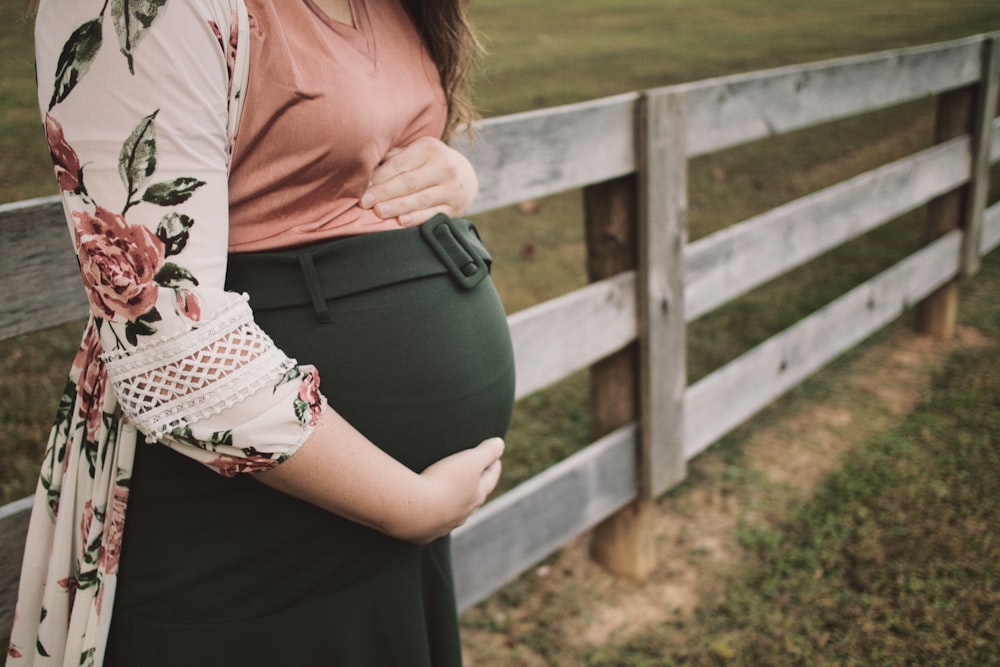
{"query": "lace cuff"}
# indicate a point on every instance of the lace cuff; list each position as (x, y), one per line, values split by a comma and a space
(176, 381)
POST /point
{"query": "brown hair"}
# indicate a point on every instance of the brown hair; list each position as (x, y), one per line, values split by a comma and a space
(453, 47)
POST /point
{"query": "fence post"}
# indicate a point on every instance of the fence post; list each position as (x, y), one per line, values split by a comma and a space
(982, 133)
(642, 222)
(936, 314)
(660, 288)
(622, 543)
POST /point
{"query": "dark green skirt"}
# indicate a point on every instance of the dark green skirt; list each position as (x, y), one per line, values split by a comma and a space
(413, 349)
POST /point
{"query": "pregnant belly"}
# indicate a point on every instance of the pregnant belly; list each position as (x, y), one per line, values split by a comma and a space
(424, 368)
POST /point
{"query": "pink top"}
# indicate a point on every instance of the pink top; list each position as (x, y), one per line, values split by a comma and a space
(324, 104)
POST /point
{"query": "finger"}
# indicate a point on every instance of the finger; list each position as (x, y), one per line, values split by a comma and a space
(393, 165)
(493, 447)
(420, 207)
(400, 186)
(402, 160)
(488, 482)
(422, 216)
(413, 201)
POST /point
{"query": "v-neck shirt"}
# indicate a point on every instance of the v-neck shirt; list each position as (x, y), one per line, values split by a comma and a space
(325, 102)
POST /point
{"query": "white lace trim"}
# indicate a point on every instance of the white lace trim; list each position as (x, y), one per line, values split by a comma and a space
(181, 379)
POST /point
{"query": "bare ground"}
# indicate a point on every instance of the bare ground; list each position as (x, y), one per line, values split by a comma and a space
(580, 606)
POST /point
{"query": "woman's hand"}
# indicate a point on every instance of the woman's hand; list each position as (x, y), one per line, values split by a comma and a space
(456, 487)
(420, 180)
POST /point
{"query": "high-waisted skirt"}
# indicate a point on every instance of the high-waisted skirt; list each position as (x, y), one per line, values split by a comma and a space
(413, 349)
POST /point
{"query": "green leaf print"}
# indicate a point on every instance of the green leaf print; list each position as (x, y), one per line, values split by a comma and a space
(132, 18)
(173, 231)
(222, 438)
(172, 192)
(65, 409)
(143, 326)
(289, 375)
(74, 60)
(171, 275)
(137, 159)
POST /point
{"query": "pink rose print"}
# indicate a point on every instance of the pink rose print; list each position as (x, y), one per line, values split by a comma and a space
(92, 384)
(230, 51)
(64, 158)
(85, 521)
(118, 262)
(99, 599)
(70, 585)
(187, 303)
(230, 466)
(114, 527)
(309, 394)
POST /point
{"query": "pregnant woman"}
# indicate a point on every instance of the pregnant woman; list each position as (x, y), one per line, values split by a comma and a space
(259, 196)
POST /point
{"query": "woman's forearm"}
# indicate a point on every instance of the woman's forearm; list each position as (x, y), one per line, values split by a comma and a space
(341, 471)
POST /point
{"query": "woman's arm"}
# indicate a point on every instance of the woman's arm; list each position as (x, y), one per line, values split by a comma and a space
(340, 470)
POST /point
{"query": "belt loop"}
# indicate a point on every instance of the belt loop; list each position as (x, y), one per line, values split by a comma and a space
(453, 247)
(314, 287)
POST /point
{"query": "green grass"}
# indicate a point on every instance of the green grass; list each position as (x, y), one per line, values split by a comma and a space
(546, 53)
(25, 170)
(893, 562)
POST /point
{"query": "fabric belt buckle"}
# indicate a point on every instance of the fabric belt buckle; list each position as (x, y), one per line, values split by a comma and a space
(450, 242)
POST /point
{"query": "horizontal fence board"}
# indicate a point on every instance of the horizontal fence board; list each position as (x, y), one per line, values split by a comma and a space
(539, 153)
(990, 237)
(737, 109)
(725, 398)
(39, 280)
(995, 139)
(731, 262)
(572, 331)
(542, 514)
(13, 531)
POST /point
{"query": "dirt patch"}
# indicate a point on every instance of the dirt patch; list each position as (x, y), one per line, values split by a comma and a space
(577, 604)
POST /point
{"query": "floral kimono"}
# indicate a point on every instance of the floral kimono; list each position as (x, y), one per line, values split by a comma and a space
(140, 100)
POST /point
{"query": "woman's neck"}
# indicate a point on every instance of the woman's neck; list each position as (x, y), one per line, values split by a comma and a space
(338, 10)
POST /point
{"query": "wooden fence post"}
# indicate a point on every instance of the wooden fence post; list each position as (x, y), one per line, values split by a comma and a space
(937, 313)
(641, 222)
(969, 110)
(623, 543)
(660, 289)
(982, 134)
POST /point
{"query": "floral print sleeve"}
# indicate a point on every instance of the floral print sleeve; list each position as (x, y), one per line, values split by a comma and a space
(138, 99)
(139, 139)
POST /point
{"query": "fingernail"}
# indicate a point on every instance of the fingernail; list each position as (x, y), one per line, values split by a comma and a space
(367, 199)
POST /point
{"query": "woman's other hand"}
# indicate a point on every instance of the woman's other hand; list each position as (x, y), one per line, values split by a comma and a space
(457, 486)
(420, 180)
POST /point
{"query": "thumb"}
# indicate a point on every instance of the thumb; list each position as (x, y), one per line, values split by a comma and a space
(491, 449)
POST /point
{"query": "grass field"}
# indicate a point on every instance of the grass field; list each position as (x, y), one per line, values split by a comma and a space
(543, 53)
(891, 560)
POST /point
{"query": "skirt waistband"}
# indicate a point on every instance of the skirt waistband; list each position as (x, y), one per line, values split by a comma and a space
(316, 273)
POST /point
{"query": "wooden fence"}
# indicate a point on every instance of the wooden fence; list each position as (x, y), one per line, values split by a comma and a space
(629, 154)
